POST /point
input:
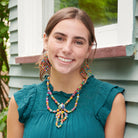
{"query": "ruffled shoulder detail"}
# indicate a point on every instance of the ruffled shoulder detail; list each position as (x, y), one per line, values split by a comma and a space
(104, 98)
(25, 99)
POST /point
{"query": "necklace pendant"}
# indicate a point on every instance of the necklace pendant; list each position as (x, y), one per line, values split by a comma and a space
(61, 106)
(61, 116)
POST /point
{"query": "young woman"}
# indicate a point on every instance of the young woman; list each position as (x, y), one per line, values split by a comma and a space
(69, 102)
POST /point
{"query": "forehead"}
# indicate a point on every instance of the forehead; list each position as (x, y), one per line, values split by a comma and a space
(71, 27)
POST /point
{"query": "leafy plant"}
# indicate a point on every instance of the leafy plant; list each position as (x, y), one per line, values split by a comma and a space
(102, 12)
(3, 122)
(4, 67)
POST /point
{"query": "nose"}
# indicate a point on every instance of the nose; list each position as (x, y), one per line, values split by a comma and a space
(67, 47)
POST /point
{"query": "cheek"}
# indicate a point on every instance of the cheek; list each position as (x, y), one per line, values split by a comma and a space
(82, 54)
(51, 47)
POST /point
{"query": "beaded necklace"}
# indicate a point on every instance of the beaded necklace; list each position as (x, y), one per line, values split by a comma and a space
(62, 112)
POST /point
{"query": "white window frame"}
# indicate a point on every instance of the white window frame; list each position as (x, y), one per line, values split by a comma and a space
(30, 34)
(120, 33)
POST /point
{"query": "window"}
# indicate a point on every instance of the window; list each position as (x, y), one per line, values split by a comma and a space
(113, 19)
(113, 27)
(102, 12)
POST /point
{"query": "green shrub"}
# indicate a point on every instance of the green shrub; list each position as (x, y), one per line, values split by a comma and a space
(3, 122)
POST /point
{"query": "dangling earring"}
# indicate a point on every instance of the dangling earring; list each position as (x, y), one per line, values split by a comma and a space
(45, 65)
(85, 70)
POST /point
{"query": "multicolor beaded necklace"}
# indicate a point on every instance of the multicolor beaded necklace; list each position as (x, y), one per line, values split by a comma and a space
(62, 112)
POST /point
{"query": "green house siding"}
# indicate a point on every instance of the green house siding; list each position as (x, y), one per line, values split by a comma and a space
(13, 40)
(123, 72)
(19, 74)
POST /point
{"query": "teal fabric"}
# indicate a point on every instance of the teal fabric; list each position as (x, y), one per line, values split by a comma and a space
(87, 121)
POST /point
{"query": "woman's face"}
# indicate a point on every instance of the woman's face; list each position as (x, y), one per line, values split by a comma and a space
(67, 46)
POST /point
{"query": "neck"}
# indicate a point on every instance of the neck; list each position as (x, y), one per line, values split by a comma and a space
(65, 82)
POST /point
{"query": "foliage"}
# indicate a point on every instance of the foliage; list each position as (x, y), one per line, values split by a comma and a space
(102, 12)
(4, 36)
(69, 3)
(4, 67)
(4, 16)
(3, 122)
(59, 4)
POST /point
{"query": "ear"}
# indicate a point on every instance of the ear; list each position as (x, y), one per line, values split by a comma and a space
(45, 41)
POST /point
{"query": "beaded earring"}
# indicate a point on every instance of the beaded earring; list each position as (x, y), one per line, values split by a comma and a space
(45, 65)
(85, 70)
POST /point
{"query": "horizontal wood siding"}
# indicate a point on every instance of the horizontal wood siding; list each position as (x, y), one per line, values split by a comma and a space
(122, 72)
(12, 59)
(20, 74)
(14, 36)
(14, 49)
(18, 82)
(131, 131)
(24, 70)
(13, 90)
(13, 29)
(132, 113)
(123, 68)
(13, 25)
(131, 93)
(13, 13)
(12, 3)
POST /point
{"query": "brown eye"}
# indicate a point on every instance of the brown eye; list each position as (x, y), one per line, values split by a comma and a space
(59, 38)
(78, 42)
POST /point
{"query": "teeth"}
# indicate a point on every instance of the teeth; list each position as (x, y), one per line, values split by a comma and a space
(65, 60)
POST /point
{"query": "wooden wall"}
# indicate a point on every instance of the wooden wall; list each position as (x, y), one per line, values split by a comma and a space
(123, 72)
(20, 74)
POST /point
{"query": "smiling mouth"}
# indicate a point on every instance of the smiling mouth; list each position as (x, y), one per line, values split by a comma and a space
(64, 59)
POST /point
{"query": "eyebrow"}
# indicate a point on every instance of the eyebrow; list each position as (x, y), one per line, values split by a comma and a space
(76, 37)
(60, 34)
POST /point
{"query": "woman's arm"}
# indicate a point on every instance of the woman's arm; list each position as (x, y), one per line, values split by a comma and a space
(14, 127)
(115, 124)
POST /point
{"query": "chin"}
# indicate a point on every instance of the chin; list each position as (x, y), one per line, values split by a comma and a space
(64, 72)
(67, 72)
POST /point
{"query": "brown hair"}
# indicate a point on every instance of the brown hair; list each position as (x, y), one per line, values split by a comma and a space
(72, 13)
(69, 13)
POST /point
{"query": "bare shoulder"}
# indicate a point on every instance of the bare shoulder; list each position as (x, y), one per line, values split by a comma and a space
(115, 123)
(119, 100)
(13, 103)
(14, 127)
(119, 107)
(13, 109)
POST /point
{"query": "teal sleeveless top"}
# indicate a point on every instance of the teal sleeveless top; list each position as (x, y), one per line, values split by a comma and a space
(87, 121)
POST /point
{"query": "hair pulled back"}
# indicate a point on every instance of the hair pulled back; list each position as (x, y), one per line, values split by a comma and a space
(63, 14)
(72, 13)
